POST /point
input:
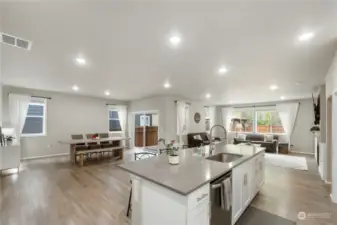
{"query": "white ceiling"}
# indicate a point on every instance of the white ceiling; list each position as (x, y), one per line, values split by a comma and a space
(126, 46)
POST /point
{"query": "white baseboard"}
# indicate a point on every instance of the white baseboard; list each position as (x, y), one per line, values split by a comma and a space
(45, 156)
(302, 153)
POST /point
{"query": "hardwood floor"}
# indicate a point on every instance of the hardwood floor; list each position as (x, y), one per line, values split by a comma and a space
(54, 192)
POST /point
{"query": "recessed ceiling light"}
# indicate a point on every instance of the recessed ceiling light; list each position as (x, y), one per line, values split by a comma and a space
(107, 93)
(306, 36)
(208, 95)
(282, 98)
(223, 70)
(273, 87)
(75, 87)
(80, 61)
(175, 40)
(167, 85)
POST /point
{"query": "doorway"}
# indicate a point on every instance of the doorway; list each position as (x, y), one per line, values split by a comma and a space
(146, 129)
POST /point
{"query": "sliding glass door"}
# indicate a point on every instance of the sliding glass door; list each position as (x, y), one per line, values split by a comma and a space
(146, 129)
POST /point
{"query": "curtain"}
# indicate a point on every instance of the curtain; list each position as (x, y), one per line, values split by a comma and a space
(226, 117)
(122, 115)
(187, 118)
(183, 111)
(18, 108)
(212, 115)
(288, 114)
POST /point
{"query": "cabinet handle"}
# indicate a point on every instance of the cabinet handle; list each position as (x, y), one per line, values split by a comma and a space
(201, 197)
(245, 179)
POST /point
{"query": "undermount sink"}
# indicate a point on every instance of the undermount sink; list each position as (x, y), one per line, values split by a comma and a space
(224, 157)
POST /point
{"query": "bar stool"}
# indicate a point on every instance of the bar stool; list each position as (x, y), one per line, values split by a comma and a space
(138, 156)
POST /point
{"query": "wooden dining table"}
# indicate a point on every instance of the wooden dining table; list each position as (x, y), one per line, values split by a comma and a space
(72, 143)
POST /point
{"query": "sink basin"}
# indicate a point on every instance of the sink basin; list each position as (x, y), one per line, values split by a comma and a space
(224, 157)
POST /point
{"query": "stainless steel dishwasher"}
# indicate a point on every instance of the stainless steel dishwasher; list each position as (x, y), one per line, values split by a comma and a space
(221, 213)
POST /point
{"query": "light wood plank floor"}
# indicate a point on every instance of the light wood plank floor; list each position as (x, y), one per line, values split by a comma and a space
(54, 192)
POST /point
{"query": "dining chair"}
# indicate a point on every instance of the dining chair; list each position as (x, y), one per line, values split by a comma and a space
(105, 144)
(92, 145)
(79, 137)
(138, 156)
(79, 146)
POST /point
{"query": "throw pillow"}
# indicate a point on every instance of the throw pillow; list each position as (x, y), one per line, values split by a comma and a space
(241, 137)
(268, 138)
(197, 137)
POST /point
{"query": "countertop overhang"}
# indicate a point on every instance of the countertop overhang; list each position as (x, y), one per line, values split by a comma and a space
(193, 171)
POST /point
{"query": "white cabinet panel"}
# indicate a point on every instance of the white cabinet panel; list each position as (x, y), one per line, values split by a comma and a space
(199, 215)
(245, 187)
(247, 180)
(237, 200)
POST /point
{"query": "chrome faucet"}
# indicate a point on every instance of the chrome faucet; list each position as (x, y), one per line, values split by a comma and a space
(211, 145)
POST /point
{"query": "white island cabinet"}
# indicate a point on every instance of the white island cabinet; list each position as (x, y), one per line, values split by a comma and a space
(164, 194)
(247, 181)
(153, 205)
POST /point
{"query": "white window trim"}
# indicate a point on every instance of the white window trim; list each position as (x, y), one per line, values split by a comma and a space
(255, 110)
(113, 132)
(44, 128)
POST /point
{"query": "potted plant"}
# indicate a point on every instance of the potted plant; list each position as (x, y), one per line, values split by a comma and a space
(316, 128)
(172, 151)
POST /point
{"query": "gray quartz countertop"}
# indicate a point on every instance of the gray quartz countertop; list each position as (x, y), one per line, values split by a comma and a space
(193, 171)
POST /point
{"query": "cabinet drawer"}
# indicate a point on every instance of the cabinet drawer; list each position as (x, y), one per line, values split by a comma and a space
(199, 196)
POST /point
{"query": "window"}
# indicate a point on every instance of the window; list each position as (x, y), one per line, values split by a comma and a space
(145, 120)
(268, 122)
(36, 119)
(242, 120)
(114, 124)
(256, 120)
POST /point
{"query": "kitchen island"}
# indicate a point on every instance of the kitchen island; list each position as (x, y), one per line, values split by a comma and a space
(180, 194)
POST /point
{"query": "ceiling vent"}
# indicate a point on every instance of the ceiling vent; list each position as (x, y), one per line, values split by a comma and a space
(15, 41)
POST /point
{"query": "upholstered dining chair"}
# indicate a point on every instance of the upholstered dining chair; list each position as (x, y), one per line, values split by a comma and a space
(138, 156)
(79, 146)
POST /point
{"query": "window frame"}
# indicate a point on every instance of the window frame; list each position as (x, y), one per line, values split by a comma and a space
(252, 109)
(264, 109)
(44, 121)
(113, 132)
(255, 123)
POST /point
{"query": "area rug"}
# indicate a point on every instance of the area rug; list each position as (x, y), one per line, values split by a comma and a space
(287, 161)
(254, 216)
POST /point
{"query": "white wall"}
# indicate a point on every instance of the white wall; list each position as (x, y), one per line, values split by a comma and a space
(331, 78)
(194, 127)
(66, 114)
(0, 80)
(302, 138)
(331, 165)
(155, 120)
